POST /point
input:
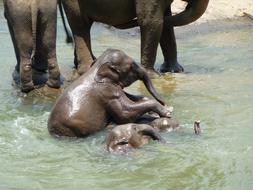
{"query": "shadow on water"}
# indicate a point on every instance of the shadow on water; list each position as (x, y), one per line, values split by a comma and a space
(217, 89)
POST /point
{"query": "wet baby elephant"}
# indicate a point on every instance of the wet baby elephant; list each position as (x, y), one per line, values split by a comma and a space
(124, 137)
(97, 97)
(32, 25)
(134, 135)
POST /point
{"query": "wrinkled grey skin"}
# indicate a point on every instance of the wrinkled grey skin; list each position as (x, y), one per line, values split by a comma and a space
(97, 97)
(32, 25)
(152, 16)
(124, 137)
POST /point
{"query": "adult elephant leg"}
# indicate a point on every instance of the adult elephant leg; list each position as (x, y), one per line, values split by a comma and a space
(83, 53)
(80, 27)
(19, 18)
(46, 42)
(169, 49)
(15, 74)
(150, 19)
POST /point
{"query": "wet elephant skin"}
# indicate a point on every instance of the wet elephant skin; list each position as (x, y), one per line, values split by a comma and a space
(124, 137)
(97, 97)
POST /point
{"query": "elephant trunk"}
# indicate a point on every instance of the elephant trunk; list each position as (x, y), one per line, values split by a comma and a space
(149, 131)
(194, 10)
(143, 75)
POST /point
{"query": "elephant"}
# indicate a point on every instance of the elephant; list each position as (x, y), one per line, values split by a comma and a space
(153, 17)
(32, 25)
(124, 137)
(121, 138)
(97, 97)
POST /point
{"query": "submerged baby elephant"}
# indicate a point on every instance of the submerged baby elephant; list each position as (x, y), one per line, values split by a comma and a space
(133, 135)
(123, 137)
(97, 97)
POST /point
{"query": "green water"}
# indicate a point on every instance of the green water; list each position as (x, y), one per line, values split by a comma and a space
(217, 89)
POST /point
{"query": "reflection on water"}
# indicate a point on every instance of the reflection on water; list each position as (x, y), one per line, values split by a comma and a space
(217, 89)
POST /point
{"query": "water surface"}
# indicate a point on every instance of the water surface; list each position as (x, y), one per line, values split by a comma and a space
(217, 89)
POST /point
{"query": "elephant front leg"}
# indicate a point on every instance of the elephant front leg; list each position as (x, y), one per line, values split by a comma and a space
(80, 27)
(150, 20)
(83, 54)
(123, 110)
(169, 50)
(150, 36)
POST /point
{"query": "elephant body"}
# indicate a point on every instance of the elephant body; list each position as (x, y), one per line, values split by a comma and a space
(97, 97)
(153, 17)
(32, 25)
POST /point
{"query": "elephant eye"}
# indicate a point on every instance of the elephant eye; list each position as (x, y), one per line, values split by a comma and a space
(122, 143)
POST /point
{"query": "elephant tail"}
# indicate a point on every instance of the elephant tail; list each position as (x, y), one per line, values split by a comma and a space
(69, 38)
(34, 18)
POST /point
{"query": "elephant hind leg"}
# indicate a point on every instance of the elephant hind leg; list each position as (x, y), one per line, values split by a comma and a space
(19, 23)
(45, 56)
(24, 44)
(169, 50)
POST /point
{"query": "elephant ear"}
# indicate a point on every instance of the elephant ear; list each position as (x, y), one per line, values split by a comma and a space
(108, 73)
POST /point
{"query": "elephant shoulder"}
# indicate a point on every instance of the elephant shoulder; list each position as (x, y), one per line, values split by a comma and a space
(109, 92)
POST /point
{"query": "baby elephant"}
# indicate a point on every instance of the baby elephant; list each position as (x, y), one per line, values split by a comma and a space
(133, 135)
(97, 97)
(124, 137)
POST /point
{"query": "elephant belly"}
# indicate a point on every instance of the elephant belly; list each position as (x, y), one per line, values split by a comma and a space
(112, 12)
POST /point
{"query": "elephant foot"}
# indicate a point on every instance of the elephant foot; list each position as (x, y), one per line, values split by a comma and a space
(171, 67)
(54, 83)
(39, 77)
(27, 87)
(16, 77)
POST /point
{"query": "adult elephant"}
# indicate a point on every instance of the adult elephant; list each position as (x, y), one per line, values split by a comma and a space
(97, 97)
(154, 18)
(32, 25)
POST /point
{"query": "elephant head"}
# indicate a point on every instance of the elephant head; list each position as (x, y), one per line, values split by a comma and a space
(194, 10)
(124, 137)
(115, 67)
